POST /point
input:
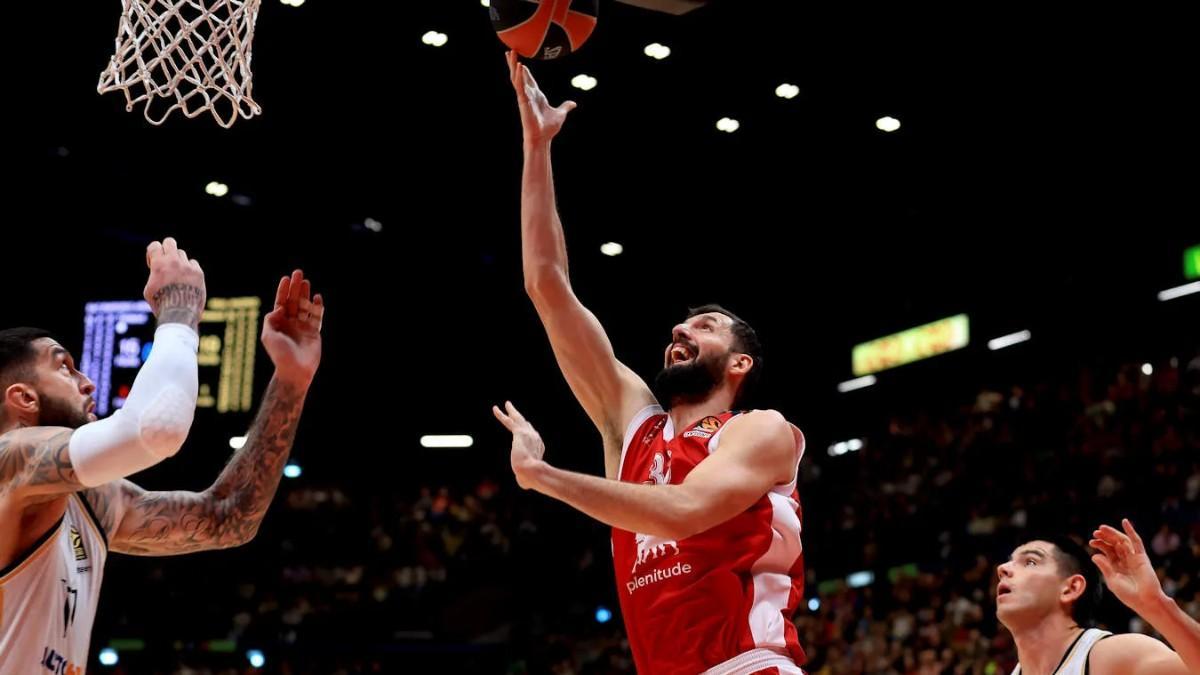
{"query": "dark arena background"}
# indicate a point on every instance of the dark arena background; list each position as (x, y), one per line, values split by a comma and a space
(1016, 181)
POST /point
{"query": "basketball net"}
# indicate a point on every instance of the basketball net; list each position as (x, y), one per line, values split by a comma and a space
(187, 55)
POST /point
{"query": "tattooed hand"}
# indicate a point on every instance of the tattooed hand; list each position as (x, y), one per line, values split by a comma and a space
(292, 331)
(175, 290)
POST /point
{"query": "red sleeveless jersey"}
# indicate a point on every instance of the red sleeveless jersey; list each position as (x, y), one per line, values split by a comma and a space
(720, 601)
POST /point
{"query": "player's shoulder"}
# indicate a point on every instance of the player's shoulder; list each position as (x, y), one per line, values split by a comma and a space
(28, 438)
(766, 426)
(766, 417)
(769, 421)
(1120, 654)
(1127, 641)
(24, 450)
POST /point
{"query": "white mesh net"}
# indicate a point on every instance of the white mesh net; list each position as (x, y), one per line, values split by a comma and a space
(187, 55)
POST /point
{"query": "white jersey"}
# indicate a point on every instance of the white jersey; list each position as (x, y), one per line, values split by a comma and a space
(1075, 661)
(48, 598)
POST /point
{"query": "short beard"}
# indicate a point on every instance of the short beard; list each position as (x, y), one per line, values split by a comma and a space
(58, 413)
(692, 382)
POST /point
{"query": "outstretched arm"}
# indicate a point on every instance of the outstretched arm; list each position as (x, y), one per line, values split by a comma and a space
(229, 512)
(609, 392)
(1129, 575)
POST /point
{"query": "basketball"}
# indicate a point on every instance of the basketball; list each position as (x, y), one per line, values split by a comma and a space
(544, 30)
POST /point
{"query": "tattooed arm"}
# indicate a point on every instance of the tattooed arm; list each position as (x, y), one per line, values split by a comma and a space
(34, 461)
(229, 512)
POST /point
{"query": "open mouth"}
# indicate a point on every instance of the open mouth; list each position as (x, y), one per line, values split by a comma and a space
(680, 353)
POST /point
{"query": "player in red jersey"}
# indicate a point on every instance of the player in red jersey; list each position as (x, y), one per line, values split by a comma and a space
(702, 500)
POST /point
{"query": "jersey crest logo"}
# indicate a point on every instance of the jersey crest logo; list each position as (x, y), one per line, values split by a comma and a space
(77, 544)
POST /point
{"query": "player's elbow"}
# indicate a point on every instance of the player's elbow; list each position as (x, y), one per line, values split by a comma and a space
(241, 530)
(246, 535)
(546, 284)
(164, 441)
(231, 521)
(165, 423)
(238, 532)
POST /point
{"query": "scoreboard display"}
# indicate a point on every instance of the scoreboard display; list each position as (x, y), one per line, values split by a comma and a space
(118, 336)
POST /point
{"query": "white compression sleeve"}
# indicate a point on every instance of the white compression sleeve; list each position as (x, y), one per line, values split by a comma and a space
(155, 419)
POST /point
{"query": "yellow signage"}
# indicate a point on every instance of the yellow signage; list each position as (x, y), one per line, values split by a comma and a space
(911, 345)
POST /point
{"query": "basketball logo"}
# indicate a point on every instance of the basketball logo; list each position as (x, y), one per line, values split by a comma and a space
(544, 30)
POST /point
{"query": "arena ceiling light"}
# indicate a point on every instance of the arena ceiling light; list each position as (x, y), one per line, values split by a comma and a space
(657, 51)
(612, 248)
(434, 38)
(728, 125)
(447, 441)
(857, 383)
(887, 124)
(845, 447)
(788, 91)
(1179, 291)
(1009, 340)
(584, 82)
